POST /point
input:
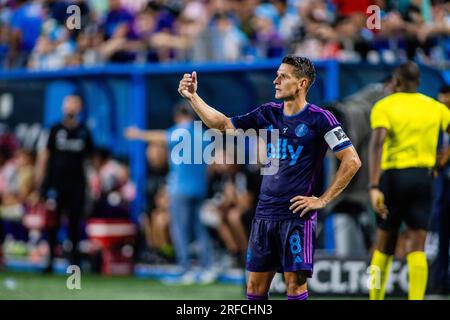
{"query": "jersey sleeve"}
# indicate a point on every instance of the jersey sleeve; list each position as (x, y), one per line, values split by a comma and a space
(379, 117)
(332, 132)
(251, 120)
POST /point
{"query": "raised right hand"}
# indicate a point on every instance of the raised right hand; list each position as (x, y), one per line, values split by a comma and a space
(188, 85)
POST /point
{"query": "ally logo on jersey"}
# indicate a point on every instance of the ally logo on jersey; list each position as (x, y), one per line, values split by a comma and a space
(336, 139)
(282, 150)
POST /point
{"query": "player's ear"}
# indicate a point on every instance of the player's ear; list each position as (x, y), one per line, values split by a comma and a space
(303, 83)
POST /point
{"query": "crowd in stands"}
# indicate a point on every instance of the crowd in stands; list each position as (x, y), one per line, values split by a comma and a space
(227, 210)
(109, 195)
(44, 34)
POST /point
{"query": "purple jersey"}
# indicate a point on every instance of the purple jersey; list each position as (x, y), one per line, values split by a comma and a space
(303, 141)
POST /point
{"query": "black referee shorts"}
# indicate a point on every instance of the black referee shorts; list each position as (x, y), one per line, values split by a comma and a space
(408, 197)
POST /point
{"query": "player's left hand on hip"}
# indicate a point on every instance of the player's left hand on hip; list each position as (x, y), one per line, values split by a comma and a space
(305, 204)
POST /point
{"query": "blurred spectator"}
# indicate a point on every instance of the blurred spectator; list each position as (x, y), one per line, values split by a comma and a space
(347, 8)
(266, 39)
(160, 237)
(111, 188)
(353, 226)
(229, 199)
(26, 23)
(228, 42)
(68, 146)
(4, 41)
(118, 22)
(90, 49)
(120, 31)
(155, 221)
(118, 26)
(157, 159)
(441, 214)
(289, 18)
(16, 188)
(48, 54)
(186, 189)
(17, 184)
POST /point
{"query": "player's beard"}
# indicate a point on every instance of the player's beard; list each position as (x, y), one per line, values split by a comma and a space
(71, 116)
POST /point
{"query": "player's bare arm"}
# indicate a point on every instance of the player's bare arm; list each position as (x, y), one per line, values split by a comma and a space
(350, 164)
(442, 159)
(41, 166)
(211, 117)
(375, 152)
(150, 136)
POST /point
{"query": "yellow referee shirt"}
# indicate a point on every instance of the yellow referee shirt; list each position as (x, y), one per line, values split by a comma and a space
(413, 122)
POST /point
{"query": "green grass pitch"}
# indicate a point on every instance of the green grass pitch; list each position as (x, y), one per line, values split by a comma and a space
(31, 286)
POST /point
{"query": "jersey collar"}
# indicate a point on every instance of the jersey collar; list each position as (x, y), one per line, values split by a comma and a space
(298, 113)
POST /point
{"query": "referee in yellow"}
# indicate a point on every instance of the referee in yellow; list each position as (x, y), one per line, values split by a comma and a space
(402, 153)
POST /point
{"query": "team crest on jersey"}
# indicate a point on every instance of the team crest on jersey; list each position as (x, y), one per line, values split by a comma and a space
(301, 130)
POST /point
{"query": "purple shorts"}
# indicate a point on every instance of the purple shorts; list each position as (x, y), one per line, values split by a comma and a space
(282, 246)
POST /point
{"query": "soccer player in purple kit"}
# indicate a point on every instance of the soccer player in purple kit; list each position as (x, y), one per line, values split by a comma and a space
(283, 230)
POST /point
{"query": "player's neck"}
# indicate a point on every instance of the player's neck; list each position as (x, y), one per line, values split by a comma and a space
(70, 123)
(294, 106)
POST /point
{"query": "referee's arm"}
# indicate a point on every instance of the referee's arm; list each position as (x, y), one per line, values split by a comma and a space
(375, 152)
(443, 158)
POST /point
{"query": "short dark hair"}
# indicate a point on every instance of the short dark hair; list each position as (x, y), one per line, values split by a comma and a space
(445, 89)
(304, 68)
(184, 109)
(408, 72)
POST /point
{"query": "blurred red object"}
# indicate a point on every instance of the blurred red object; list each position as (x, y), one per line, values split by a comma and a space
(115, 237)
(41, 216)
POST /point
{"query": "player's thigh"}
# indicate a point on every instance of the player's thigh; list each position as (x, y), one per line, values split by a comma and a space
(259, 282)
(263, 250)
(296, 241)
(420, 201)
(394, 195)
